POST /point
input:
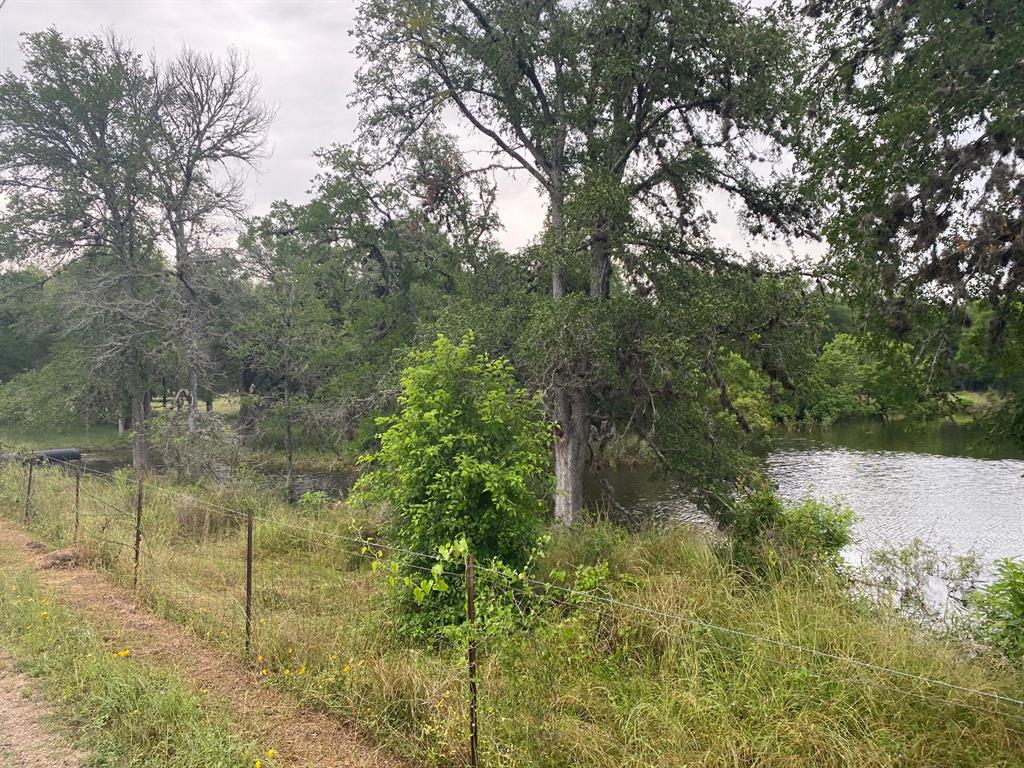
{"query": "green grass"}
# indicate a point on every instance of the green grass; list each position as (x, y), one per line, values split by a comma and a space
(14, 437)
(119, 712)
(589, 687)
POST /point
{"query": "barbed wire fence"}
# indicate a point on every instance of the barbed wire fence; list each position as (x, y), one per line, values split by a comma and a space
(198, 562)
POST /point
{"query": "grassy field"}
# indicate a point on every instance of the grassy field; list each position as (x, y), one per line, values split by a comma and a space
(101, 437)
(118, 712)
(634, 682)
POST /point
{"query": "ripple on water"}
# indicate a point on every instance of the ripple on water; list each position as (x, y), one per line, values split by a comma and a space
(955, 501)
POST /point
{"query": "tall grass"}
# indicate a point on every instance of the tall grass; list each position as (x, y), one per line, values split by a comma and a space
(628, 683)
(119, 712)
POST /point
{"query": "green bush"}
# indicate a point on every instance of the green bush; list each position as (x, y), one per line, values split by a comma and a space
(999, 609)
(467, 455)
(767, 532)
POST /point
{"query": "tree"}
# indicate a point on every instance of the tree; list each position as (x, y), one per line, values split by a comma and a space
(381, 251)
(210, 122)
(625, 114)
(914, 146)
(76, 133)
(25, 334)
(289, 330)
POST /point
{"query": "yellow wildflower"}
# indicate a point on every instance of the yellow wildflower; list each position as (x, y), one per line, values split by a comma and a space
(257, 764)
(123, 653)
(346, 669)
(271, 754)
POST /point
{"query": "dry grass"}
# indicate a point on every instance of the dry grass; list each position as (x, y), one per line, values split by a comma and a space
(587, 686)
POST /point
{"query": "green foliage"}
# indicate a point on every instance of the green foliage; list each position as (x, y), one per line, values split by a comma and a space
(313, 503)
(865, 377)
(747, 388)
(911, 140)
(999, 608)
(466, 455)
(767, 532)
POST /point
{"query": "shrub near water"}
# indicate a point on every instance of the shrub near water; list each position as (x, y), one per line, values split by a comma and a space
(1000, 609)
(466, 456)
(767, 532)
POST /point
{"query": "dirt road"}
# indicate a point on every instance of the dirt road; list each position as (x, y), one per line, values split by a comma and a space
(269, 718)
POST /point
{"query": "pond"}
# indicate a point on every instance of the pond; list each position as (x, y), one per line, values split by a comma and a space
(941, 482)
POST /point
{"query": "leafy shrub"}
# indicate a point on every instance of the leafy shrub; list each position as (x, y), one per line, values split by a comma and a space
(312, 504)
(465, 456)
(999, 609)
(766, 532)
(921, 582)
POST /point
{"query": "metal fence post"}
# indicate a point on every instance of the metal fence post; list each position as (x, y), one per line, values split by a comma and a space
(471, 658)
(78, 499)
(248, 578)
(28, 491)
(138, 533)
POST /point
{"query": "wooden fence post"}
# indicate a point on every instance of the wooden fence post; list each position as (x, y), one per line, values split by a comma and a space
(28, 491)
(248, 579)
(78, 499)
(138, 533)
(471, 616)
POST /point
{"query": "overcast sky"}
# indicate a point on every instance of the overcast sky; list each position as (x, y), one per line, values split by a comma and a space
(302, 52)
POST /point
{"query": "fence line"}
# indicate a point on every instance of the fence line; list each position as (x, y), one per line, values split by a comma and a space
(590, 596)
(372, 551)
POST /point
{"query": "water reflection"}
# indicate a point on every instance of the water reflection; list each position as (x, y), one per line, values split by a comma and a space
(954, 501)
(942, 482)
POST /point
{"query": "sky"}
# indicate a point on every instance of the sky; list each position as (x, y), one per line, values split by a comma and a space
(301, 50)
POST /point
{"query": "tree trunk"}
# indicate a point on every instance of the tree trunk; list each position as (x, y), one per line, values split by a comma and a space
(290, 463)
(600, 261)
(247, 377)
(570, 453)
(140, 440)
(573, 427)
(557, 223)
(190, 300)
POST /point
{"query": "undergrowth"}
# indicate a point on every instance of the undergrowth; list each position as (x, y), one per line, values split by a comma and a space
(632, 674)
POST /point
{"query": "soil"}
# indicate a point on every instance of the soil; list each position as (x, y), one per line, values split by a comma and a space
(27, 738)
(269, 718)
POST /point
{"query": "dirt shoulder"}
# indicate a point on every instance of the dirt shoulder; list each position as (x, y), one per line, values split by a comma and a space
(276, 720)
(27, 736)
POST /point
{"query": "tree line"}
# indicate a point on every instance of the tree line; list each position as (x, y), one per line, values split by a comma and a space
(891, 130)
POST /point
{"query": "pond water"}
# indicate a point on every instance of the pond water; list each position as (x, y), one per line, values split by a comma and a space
(941, 482)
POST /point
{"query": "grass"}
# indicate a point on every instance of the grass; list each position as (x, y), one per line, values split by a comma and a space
(589, 687)
(121, 713)
(100, 437)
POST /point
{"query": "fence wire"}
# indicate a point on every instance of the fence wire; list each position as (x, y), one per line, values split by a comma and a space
(192, 565)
